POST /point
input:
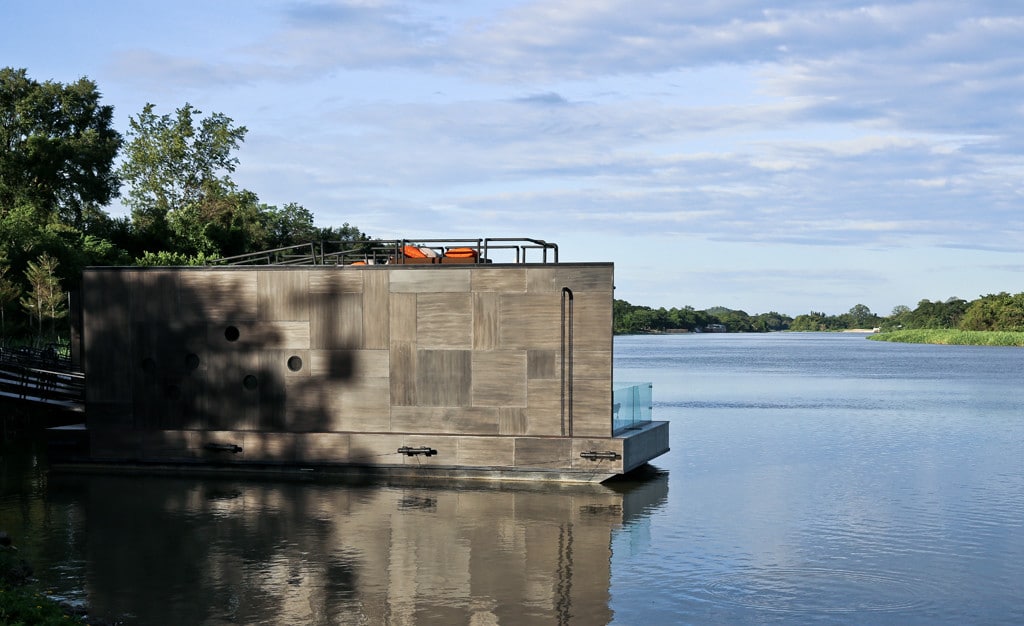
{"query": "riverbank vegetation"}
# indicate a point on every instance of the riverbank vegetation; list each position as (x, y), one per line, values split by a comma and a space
(21, 602)
(994, 319)
(953, 337)
(633, 319)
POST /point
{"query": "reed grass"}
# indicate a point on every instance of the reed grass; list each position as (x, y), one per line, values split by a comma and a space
(953, 337)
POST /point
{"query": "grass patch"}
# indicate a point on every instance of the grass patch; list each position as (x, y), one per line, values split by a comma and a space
(952, 337)
(21, 603)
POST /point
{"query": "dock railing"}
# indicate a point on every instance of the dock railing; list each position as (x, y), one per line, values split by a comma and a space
(41, 376)
(632, 405)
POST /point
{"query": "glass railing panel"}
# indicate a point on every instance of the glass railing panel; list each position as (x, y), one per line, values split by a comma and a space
(631, 405)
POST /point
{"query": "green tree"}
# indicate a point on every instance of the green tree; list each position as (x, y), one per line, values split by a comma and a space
(172, 163)
(771, 321)
(224, 223)
(816, 322)
(345, 234)
(689, 318)
(735, 321)
(994, 312)
(930, 314)
(57, 148)
(860, 316)
(290, 225)
(10, 292)
(45, 299)
(896, 319)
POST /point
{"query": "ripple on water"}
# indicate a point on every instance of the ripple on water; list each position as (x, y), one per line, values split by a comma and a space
(819, 590)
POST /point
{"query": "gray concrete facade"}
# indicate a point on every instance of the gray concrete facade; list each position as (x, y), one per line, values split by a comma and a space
(498, 368)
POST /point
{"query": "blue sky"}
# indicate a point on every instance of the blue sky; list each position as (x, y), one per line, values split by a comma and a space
(788, 156)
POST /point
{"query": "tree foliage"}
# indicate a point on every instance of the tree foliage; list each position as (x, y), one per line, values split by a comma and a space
(927, 314)
(57, 148)
(1000, 311)
(633, 319)
(10, 292)
(178, 174)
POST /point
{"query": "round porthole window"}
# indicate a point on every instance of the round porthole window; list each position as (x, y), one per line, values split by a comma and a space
(250, 382)
(231, 333)
(295, 363)
(192, 362)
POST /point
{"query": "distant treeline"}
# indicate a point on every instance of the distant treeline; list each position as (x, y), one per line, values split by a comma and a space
(994, 312)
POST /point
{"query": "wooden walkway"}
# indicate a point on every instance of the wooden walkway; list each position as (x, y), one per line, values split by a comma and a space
(41, 377)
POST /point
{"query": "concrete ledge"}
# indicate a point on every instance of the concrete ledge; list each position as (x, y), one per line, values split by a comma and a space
(642, 445)
(488, 457)
(338, 472)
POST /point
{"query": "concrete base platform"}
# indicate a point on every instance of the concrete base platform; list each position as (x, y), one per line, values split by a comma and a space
(434, 457)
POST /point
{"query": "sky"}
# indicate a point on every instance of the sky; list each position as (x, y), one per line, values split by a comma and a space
(798, 156)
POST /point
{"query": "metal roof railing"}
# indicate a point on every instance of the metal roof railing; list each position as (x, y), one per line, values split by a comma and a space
(400, 252)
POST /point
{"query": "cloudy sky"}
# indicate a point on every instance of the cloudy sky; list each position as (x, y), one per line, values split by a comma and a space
(771, 155)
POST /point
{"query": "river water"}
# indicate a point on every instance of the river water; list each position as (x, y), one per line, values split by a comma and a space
(813, 478)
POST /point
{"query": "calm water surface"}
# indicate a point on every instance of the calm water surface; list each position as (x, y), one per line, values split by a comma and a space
(813, 478)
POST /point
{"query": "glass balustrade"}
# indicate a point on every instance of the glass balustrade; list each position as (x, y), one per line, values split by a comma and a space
(631, 405)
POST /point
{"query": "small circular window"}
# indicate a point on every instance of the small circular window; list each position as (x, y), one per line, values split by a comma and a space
(231, 333)
(192, 361)
(295, 363)
(250, 382)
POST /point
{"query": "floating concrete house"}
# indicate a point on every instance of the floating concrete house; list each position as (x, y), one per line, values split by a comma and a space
(439, 359)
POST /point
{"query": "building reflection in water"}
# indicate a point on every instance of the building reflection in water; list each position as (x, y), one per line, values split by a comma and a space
(215, 551)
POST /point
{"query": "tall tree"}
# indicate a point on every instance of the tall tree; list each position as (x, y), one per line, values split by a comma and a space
(175, 163)
(57, 148)
(45, 299)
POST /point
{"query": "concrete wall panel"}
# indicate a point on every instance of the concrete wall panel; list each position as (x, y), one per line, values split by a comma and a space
(443, 378)
(512, 421)
(486, 451)
(499, 378)
(499, 279)
(403, 317)
(225, 296)
(530, 321)
(486, 329)
(543, 453)
(376, 316)
(282, 295)
(444, 321)
(430, 281)
(336, 321)
(427, 419)
(403, 365)
(332, 281)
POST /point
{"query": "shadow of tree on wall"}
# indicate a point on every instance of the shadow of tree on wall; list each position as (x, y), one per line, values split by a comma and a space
(193, 361)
